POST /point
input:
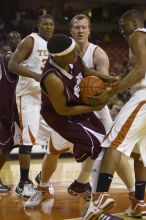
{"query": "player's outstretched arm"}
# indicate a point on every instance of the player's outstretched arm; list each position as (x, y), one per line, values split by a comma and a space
(105, 78)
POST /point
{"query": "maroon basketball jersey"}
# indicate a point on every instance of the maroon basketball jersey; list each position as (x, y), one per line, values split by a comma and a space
(8, 108)
(82, 130)
(8, 82)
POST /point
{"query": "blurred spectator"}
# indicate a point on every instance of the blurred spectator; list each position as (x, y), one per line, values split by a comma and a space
(112, 101)
(116, 108)
(116, 102)
(124, 96)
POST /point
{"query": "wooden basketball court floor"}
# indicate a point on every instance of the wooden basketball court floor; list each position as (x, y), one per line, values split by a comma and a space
(63, 206)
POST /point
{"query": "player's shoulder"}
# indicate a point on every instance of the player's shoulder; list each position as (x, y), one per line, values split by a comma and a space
(136, 35)
(98, 50)
(28, 41)
(100, 53)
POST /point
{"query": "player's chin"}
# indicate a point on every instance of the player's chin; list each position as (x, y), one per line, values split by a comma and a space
(49, 34)
(80, 39)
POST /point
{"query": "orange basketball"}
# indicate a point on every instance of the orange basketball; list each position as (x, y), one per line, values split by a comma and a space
(89, 86)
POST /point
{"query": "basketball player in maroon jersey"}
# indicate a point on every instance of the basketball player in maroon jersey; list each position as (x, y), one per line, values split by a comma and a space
(63, 110)
(8, 109)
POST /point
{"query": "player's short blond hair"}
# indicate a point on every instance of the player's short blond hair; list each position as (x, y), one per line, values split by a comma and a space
(80, 17)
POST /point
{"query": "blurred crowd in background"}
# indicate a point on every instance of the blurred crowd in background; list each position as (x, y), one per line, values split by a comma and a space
(105, 30)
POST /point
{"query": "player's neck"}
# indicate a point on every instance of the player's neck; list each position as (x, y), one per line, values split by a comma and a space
(65, 69)
(61, 64)
(46, 38)
(83, 48)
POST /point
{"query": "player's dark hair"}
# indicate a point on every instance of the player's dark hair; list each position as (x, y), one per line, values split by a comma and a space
(58, 43)
(132, 15)
(42, 17)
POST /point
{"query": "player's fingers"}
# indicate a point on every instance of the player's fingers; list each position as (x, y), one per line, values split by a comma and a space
(114, 79)
(92, 100)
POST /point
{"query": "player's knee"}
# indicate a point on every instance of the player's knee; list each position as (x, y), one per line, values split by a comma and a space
(112, 155)
(24, 149)
(57, 154)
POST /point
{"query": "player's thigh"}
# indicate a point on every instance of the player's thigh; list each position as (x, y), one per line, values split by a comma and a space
(29, 108)
(139, 151)
(128, 127)
(44, 132)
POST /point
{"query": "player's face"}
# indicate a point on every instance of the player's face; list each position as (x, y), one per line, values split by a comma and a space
(126, 27)
(46, 28)
(14, 40)
(80, 30)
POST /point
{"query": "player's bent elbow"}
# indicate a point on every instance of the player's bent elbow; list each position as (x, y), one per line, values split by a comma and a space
(10, 66)
(61, 112)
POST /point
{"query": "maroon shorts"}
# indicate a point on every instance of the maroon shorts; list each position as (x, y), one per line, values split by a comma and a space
(6, 135)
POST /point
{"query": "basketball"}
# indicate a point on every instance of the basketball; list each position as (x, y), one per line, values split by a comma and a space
(89, 86)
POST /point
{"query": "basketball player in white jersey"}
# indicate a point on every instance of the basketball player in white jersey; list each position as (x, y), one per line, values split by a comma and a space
(128, 132)
(31, 56)
(94, 57)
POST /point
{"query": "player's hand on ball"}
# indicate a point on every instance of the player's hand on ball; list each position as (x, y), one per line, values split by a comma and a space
(101, 98)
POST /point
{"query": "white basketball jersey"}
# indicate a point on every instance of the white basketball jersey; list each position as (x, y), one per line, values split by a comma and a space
(35, 63)
(142, 82)
(103, 114)
(88, 56)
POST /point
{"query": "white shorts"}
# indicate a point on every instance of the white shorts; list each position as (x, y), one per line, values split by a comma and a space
(17, 134)
(58, 144)
(44, 132)
(105, 118)
(129, 127)
(33, 128)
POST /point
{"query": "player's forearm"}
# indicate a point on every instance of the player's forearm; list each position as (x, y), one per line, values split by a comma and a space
(93, 72)
(128, 81)
(21, 71)
(78, 110)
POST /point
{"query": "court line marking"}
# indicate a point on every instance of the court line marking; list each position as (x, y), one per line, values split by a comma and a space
(73, 219)
(118, 214)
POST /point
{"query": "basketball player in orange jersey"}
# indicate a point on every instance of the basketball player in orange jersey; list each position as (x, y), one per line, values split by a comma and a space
(94, 57)
(128, 131)
(31, 56)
